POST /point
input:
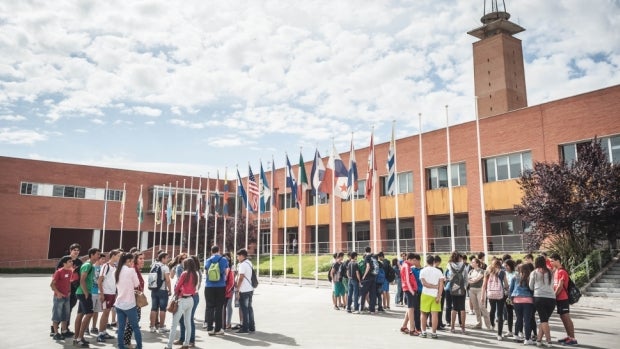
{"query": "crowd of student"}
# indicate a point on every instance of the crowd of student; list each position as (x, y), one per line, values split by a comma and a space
(108, 286)
(514, 291)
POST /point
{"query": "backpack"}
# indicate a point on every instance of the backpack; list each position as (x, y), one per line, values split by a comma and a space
(390, 274)
(495, 286)
(253, 279)
(374, 265)
(337, 274)
(213, 274)
(329, 272)
(344, 267)
(155, 278)
(380, 275)
(573, 292)
(361, 264)
(457, 282)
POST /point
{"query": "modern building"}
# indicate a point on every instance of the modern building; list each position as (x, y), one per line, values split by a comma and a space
(457, 186)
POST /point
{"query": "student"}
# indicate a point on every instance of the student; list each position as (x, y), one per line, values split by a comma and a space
(511, 272)
(74, 253)
(410, 290)
(337, 287)
(85, 299)
(159, 297)
(184, 292)
(215, 293)
(523, 302)
(560, 285)
(95, 293)
(196, 298)
(61, 285)
(458, 287)
(353, 273)
(430, 302)
(398, 300)
(126, 283)
(493, 289)
(107, 293)
(368, 287)
(384, 288)
(475, 279)
(245, 291)
(541, 282)
(138, 264)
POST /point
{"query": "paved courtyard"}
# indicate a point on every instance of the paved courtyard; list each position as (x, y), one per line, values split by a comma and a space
(287, 316)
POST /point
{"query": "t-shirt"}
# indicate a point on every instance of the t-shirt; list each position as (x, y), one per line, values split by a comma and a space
(109, 281)
(95, 288)
(75, 277)
(62, 277)
(90, 271)
(127, 282)
(561, 275)
(353, 269)
(245, 268)
(164, 270)
(369, 266)
(416, 272)
(432, 276)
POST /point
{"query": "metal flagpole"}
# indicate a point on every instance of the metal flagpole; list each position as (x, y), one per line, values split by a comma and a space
(300, 210)
(333, 197)
(270, 222)
(207, 211)
(287, 171)
(236, 212)
(198, 212)
(140, 217)
(168, 216)
(189, 221)
(422, 191)
(155, 210)
(120, 243)
(374, 192)
(396, 191)
(105, 214)
(161, 217)
(353, 197)
(481, 184)
(450, 202)
(316, 232)
(174, 214)
(258, 232)
(182, 218)
(247, 210)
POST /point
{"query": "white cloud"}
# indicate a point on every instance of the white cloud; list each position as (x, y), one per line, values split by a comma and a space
(12, 118)
(20, 136)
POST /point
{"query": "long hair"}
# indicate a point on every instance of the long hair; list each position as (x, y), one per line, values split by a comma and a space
(525, 270)
(495, 267)
(455, 256)
(541, 263)
(177, 260)
(190, 268)
(125, 256)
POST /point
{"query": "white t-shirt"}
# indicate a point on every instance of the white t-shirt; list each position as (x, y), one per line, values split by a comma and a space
(245, 268)
(164, 270)
(431, 275)
(109, 282)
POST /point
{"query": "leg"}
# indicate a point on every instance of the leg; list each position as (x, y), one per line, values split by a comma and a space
(133, 322)
(120, 331)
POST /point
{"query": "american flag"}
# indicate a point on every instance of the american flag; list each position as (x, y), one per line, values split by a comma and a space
(252, 191)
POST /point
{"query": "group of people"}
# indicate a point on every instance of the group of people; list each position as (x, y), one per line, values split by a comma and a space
(103, 286)
(514, 291)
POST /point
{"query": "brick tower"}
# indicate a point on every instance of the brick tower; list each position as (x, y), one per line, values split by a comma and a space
(499, 76)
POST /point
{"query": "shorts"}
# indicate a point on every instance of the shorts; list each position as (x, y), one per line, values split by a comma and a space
(159, 300)
(338, 289)
(61, 309)
(86, 304)
(108, 301)
(563, 306)
(458, 303)
(544, 307)
(410, 300)
(385, 287)
(428, 304)
(96, 303)
(345, 283)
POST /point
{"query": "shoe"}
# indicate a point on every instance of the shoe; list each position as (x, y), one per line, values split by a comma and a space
(476, 327)
(94, 331)
(423, 334)
(236, 327)
(204, 325)
(336, 307)
(357, 312)
(220, 332)
(152, 329)
(242, 331)
(499, 338)
(528, 342)
(108, 326)
(471, 312)
(58, 337)
(518, 338)
(414, 333)
(163, 329)
(571, 341)
(178, 342)
(52, 332)
(81, 344)
(86, 332)
(100, 339)
(509, 334)
(404, 330)
(211, 333)
(114, 324)
(452, 330)
(463, 331)
(191, 344)
(68, 333)
(106, 336)
(563, 340)
(547, 344)
(434, 335)
(538, 344)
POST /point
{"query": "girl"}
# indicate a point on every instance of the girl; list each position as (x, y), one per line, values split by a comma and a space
(138, 259)
(126, 282)
(541, 282)
(493, 289)
(476, 278)
(196, 298)
(523, 302)
(184, 292)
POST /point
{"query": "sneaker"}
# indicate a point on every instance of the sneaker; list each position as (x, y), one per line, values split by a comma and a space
(357, 312)
(518, 339)
(204, 325)
(528, 342)
(509, 334)
(81, 344)
(423, 334)
(163, 329)
(52, 332)
(108, 326)
(211, 333)
(100, 339)
(86, 332)
(571, 341)
(152, 329)
(547, 344)
(563, 340)
(499, 338)
(107, 336)
(220, 332)
(68, 333)
(113, 324)
(434, 335)
(58, 337)
(242, 331)
(538, 344)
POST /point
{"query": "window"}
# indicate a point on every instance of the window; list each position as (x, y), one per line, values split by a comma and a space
(361, 190)
(502, 228)
(438, 176)
(29, 188)
(610, 146)
(443, 231)
(286, 201)
(115, 195)
(404, 182)
(507, 166)
(322, 199)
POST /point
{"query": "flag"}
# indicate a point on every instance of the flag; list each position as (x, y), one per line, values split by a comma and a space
(252, 191)
(216, 196)
(140, 208)
(198, 206)
(302, 184)
(169, 206)
(372, 167)
(241, 189)
(122, 207)
(291, 182)
(352, 177)
(175, 201)
(156, 213)
(391, 166)
(340, 175)
(317, 174)
(265, 194)
(225, 208)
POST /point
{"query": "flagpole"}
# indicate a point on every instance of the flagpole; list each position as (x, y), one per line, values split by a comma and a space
(316, 234)
(182, 218)
(236, 212)
(258, 232)
(374, 192)
(198, 201)
(300, 229)
(285, 230)
(422, 191)
(247, 210)
(206, 214)
(161, 217)
(353, 196)
(168, 216)
(120, 244)
(333, 198)
(224, 213)
(450, 202)
(174, 227)
(140, 216)
(481, 185)
(271, 223)
(105, 214)
(396, 191)
(216, 205)
(155, 210)
(189, 221)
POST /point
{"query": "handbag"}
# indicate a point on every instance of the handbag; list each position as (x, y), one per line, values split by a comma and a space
(173, 306)
(141, 300)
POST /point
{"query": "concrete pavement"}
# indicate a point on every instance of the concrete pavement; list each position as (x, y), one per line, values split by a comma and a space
(289, 315)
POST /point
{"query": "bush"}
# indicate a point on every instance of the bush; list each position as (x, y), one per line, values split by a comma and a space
(580, 278)
(275, 272)
(39, 270)
(323, 268)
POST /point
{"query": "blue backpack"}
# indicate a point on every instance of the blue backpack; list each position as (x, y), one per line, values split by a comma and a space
(380, 276)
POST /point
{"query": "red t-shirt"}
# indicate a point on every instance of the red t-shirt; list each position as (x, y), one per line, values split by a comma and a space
(63, 280)
(407, 278)
(561, 275)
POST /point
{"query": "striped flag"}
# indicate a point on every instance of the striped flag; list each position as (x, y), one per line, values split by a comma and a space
(391, 167)
(241, 189)
(318, 172)
(169, 216)
(253, 193)
(291, 182)
(140, 208)
(216, 196)
(352, 177)
(302, 184)
(265, 193)
(372, 168)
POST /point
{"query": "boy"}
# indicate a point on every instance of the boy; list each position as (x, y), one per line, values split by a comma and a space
(85, 299)
(61, 285)
(95, 293)
(430, 302)
(107, 293)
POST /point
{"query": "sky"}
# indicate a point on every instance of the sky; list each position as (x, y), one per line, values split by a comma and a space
(196, 87)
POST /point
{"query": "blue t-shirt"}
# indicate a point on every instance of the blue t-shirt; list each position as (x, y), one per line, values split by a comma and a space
(223, 262)
(95, 288)
(416, 273)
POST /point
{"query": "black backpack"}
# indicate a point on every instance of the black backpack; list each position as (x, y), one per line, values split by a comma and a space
(344, 267)
(573, 292)
(390, 274)
(457, 281)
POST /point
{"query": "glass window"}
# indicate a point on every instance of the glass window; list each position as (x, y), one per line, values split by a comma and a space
(502, 168)
(59, 190)
(462, 174)
(615, 149)
(569, 154)
(515, 165)
(527, 161)
(405, 182)
(455, 175)
(69, 192)
(490, 167)
(443, 177)
(507, 166)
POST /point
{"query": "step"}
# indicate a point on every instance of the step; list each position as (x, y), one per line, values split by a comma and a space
(604, 289)
(613, 271)
(605, 284)
(607, 280)
(603, 294)
(611, 276)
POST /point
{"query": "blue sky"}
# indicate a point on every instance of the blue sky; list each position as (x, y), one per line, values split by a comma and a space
(155, 86)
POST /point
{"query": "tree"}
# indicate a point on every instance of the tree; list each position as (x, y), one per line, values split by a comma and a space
(230, 233)
(572, 206)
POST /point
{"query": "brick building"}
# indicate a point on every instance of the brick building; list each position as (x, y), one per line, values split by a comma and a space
(46, 205)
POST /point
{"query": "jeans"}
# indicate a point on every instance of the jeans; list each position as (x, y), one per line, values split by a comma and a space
(185, 310)
(130, 316)
(369, 288)
(510, 316)
(61, 309)
(399, 291)
(192, 337)
(497, 308)
(228, 307)
(353, 295)
(245, 305)
(216, 297)
(524, 312)
(379, 292)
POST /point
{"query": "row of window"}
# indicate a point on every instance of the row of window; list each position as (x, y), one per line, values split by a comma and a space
(70, 191)
(610, 146)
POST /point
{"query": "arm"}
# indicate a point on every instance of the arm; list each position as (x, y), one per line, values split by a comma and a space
(177, 289)
(558, 289)
(100, 282)
(167, 280)
(57, 293)
(84, 285)
(429, 285)
(367, 270)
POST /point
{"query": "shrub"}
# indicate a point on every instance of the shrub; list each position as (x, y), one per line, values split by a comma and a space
(275, 272)
(323, 268)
